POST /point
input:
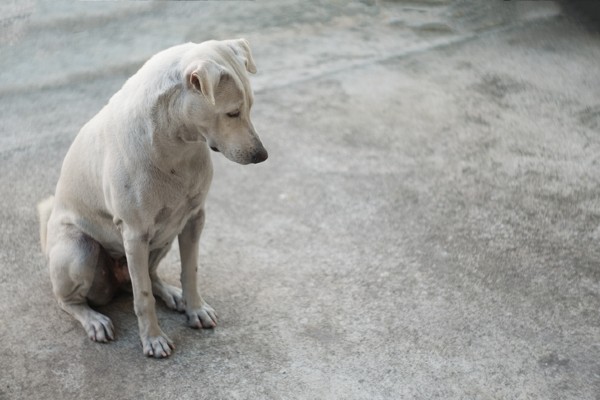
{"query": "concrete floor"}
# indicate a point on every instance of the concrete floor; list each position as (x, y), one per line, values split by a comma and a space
(426, 226)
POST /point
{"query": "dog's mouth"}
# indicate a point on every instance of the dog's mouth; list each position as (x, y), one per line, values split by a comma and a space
(213, 148)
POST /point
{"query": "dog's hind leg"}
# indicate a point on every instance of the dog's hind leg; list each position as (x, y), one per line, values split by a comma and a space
(80, 272)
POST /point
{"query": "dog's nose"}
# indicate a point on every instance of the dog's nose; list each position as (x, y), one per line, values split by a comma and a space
(260, 156)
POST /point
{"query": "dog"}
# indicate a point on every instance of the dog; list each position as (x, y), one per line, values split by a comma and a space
(136, 177)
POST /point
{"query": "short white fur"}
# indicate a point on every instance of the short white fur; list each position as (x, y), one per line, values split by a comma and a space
(136, 178)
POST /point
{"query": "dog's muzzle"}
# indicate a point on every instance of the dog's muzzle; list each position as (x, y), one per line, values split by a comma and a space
(260, 156)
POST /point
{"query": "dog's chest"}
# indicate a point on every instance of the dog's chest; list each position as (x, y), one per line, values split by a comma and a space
(171, 218)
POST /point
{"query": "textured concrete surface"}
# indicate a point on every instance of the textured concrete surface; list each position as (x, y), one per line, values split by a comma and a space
(426, 226)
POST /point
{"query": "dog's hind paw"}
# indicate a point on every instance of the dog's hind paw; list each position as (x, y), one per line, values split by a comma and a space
(202, 317)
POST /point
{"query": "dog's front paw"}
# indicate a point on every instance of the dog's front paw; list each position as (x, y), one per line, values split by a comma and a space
(202, 317)
(159, 346)
(99, 327)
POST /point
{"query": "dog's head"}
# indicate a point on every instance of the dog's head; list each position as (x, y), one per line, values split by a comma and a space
(218, 99)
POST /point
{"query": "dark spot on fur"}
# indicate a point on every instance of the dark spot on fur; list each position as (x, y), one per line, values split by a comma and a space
(194, 202)
(104, 215)
(145, 237)
(144, 293)
(173, 171)
(225, 78)
(162, 215)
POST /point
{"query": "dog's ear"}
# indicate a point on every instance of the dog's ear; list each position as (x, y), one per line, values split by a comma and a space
(204, 77)
(241, 47)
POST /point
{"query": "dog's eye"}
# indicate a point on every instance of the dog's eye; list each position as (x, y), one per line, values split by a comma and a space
(234, 114)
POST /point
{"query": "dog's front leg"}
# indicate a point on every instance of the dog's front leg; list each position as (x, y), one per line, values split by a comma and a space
(199, 313)
(154, 341)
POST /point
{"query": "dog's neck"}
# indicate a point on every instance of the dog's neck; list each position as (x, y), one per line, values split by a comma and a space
(169, 135)
(157, 89)
(164, 134)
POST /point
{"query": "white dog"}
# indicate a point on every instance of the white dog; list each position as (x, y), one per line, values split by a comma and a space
(136, 177)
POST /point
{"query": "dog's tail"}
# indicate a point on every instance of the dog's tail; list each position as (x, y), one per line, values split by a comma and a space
(44, 208)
